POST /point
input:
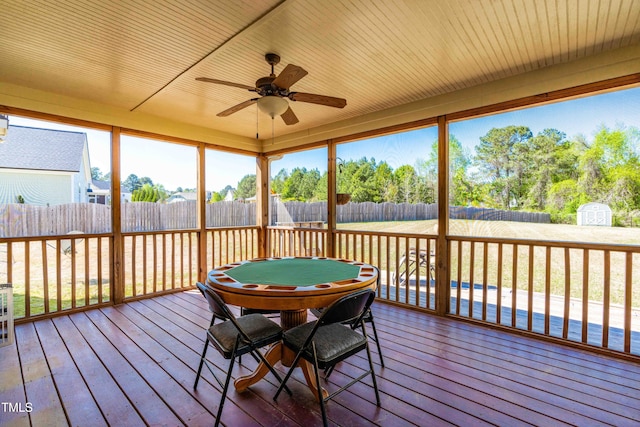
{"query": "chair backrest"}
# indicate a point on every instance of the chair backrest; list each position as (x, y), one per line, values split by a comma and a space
(348, 309)
(216, 305)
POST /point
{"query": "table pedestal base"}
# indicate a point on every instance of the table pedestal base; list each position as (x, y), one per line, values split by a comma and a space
(278, 352)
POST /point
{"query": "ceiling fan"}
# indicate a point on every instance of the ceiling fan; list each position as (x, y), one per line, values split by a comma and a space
(273, 91)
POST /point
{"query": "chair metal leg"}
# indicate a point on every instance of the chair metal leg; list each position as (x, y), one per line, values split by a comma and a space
(320, 396)
(375, 338)
(204, 353)
(226, 384)
(286, 377)
(373, 375)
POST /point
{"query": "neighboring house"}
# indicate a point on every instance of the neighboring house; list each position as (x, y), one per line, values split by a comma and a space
(186, 197)
(44, 166)
(99, 192)
(182, 197)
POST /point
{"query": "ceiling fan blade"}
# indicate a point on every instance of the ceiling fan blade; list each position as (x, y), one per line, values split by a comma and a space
(222, 82)
(288, 76)
(289, 117)
(318, 99)
(237, 108)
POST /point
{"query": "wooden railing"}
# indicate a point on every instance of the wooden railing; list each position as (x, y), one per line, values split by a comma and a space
(385, 250)
(69, 273)
(169, 260)
(404, 261)
(583, 292)
(231, 244)
(52, 274)
(159, 261)
(297, 241)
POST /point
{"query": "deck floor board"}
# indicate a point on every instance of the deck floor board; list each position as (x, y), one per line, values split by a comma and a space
(135, 363)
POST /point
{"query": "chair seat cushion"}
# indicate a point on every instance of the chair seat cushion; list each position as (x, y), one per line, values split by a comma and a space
(333, 342)
(261, 331)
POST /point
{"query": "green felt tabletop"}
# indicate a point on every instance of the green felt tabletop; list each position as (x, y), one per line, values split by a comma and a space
(293, 272)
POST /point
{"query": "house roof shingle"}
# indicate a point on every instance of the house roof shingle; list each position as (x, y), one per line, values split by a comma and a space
(42, 149)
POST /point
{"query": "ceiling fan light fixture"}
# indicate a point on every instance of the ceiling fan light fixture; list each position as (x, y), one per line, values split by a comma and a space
(273, 105)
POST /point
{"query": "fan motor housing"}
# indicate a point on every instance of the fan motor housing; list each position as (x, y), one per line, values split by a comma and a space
(265, 86)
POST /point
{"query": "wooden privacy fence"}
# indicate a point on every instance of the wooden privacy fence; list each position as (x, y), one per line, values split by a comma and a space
(284, 212)
(18, 220)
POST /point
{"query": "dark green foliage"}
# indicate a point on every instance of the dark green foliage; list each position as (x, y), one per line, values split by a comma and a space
(246, 187)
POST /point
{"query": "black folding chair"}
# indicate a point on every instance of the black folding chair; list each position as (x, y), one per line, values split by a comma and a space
(368, 318)
(331, 339)
(235, 337)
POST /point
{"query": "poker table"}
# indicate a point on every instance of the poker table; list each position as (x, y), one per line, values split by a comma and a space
(291, 285)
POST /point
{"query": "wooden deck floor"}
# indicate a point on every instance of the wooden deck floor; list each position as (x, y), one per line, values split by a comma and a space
(134, 364)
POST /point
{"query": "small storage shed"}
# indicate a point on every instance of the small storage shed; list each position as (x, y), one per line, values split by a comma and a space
(594, 214)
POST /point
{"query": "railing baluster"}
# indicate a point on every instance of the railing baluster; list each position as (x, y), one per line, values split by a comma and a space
(472, 262)
(86, 272)
(628, 300)
(173, 242)
(45, 276)
(58, 279)
(99, 268)
(499, 286)
(134, 264)
(606, 299)
(155, 263)
(73, 273)
(145, 262)
(459, 284)
(547, 291)
(514, 286)
(164, 262)
(530, 289)
(407, 283)
(585, 295)
(417, 290)
(485, 279)
(397, 283)
(567, 293)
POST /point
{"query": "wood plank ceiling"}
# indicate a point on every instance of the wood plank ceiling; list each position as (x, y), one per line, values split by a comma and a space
(143, 56)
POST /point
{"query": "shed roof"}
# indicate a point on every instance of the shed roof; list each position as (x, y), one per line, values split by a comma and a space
(42, 149)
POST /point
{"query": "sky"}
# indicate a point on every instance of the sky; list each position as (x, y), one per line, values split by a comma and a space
(174, 165)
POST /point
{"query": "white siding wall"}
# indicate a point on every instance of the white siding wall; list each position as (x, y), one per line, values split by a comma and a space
(37, 188)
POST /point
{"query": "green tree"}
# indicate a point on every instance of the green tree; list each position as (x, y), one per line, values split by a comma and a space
(246, 187)
(405, 178)
(462, 187)
(549, 153)
(504, 157)
(146, 193)
(277, 182)
(320, 193)
(610, 168)
(96, 174)
(216, 197)
(386, 190)
(132, 183)
(301, 185)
